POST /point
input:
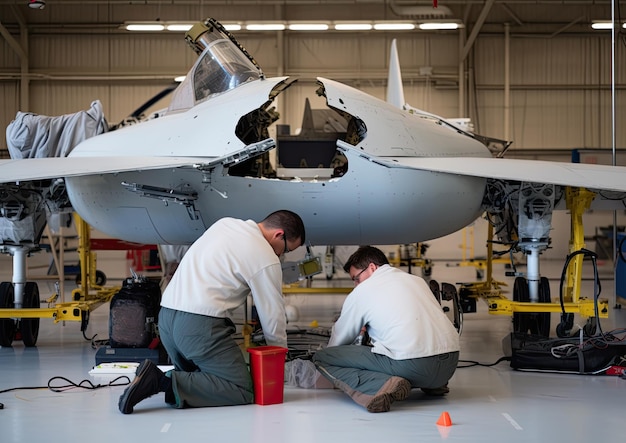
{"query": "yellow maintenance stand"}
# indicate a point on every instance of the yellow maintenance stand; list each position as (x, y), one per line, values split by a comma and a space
(578, 200)
(412, 255)
(23, 322)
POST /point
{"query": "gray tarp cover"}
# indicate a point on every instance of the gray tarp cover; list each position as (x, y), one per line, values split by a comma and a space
(36, 136)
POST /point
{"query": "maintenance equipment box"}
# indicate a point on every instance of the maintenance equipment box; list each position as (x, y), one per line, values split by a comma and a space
(107, 354)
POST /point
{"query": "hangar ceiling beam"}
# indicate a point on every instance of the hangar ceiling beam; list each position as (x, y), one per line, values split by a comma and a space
(12, 42)
(476, 29)
(22, 52)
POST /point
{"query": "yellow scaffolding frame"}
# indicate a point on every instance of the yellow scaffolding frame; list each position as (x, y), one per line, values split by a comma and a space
(84, 300)
(578, 200)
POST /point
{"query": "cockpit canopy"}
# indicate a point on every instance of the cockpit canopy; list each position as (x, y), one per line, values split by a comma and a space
(221, 66)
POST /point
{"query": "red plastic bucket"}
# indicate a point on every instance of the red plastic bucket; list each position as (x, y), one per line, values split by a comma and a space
(267, 367)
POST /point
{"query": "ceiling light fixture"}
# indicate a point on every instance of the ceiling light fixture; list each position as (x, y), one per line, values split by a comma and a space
(178, 27)
(232, 26)
(353, 26)
(181, 26)
(265, 27)
(307, 26)
(144, 26)
(438, 26)
(602, 24)
(36, 4)
(391, 26)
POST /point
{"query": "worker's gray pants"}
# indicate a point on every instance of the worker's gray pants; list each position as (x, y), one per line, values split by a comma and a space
(366, 372)
(209, 367)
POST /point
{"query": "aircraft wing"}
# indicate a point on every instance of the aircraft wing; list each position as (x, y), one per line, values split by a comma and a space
(29, 169)
(591, 176)
(55, 167)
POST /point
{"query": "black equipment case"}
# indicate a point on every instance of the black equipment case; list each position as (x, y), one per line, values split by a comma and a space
(592, 356)
(134, 313)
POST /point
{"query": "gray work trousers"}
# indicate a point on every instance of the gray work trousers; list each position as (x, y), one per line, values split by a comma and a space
(209, 367)
(366, 372)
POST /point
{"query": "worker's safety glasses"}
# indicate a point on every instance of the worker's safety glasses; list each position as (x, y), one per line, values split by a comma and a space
(286, 247)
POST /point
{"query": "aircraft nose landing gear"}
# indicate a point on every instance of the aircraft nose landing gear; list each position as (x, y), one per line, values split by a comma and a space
(535, 323)
(16, 295)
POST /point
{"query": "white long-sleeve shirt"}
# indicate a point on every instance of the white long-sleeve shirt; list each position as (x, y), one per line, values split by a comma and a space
(403, 318)
(228, 262)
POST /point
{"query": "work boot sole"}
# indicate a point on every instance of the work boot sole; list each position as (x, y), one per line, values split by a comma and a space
(401, 390)
(380, 403)
(124, 403)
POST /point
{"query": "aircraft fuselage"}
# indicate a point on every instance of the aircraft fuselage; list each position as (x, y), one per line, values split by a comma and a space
(373, 202)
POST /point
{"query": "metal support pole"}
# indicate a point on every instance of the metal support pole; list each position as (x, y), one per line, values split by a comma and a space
(19, 275)
(532, 263)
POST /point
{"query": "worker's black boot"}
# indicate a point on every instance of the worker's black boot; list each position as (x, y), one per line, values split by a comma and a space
(149, 380)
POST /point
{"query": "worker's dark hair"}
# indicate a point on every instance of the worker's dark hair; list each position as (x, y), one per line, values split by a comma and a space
(288, 221)
(365, 255)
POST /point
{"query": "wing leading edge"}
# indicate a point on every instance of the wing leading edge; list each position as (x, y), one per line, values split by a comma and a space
(56, 167)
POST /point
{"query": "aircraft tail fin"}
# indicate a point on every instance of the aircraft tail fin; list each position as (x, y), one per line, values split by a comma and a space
(395, 90)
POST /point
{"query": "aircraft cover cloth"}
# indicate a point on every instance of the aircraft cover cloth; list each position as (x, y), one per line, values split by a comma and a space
(38, 136)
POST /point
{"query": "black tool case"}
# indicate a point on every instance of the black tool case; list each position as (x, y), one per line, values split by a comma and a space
(134, 313)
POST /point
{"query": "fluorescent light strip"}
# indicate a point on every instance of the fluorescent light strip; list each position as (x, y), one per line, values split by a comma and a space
(394, 26)
(602, 25)
(179, 27)
(232, 26)
(265, 27)
(277, 26)
(433, 25)
(353, 26)
(145, 27)
(308, 27)
(605, 24)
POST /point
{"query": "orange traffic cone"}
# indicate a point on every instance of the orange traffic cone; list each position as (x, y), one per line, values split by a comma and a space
(444, 419)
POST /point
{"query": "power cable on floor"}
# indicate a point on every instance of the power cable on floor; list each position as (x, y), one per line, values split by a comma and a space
(472, 363)
(85, 384)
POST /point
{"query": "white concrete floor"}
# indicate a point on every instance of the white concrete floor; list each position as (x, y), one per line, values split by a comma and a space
(486, 404)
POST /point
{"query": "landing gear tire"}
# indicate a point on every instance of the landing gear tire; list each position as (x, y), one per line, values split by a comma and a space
(29, 327)
(520, 294)
(101, 278)
(543, 318)
(590, 327)
(7, 325)
(530, 322)
(564, 328)
(427, 269)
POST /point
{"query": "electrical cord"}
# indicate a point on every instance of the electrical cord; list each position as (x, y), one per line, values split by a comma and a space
(567, 321)
(89, 339)
(85, 384)
(472, 363)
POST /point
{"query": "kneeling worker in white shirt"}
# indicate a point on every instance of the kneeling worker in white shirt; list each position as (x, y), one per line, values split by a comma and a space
(413, 343)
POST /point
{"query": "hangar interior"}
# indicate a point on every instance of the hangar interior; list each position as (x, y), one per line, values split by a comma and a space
(532, 72)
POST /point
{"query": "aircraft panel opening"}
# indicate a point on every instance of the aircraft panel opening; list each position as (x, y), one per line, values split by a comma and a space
(311, 154)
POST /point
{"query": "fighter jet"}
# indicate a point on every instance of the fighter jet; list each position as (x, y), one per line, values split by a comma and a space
(395, 175)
